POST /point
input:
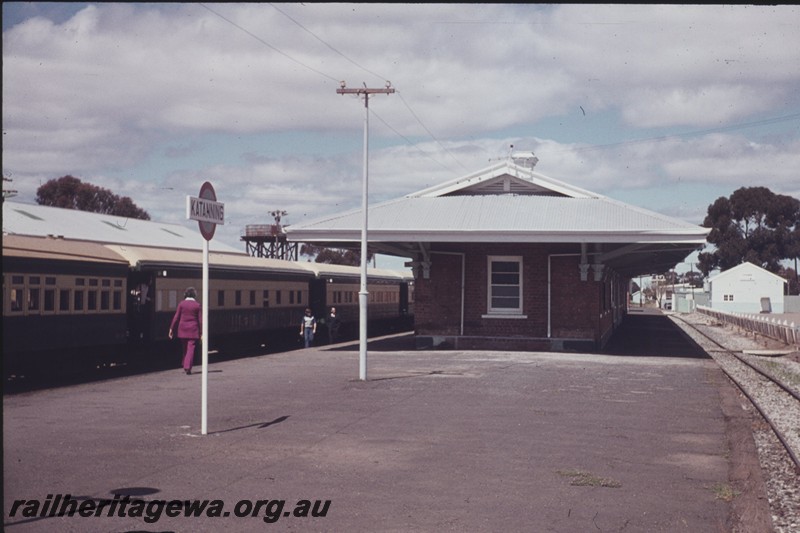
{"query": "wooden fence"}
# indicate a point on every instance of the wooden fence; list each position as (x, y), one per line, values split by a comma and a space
(768, 326)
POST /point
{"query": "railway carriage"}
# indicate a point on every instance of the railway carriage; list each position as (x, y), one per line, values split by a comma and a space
(390, 298)
(69, 304)
(252, 302)
(61, 299)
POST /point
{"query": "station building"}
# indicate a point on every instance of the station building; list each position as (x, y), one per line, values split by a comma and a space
(507, 258)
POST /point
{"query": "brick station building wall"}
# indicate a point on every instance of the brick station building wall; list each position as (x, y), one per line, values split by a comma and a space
(579, 309)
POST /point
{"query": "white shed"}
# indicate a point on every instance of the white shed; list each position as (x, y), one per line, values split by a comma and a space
(747, 288)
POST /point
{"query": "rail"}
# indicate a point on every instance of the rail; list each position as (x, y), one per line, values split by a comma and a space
(771, 327)
(756, 393)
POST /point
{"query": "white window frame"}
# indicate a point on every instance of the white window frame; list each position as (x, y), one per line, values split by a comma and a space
(503, 312)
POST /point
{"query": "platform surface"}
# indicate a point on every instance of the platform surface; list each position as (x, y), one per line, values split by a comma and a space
(433, 441)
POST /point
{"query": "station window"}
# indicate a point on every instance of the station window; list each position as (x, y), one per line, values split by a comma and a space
(252, 298)
(299, 297)
(265, 298)
(238, 297)
(277, 297)
(221, 298)
(291, 297)
(105, 300)
(505, 285)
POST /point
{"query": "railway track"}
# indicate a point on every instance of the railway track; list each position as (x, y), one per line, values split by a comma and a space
(772, 386)
(773, 396)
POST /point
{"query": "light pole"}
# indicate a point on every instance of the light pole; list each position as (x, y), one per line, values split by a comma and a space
(363, 294)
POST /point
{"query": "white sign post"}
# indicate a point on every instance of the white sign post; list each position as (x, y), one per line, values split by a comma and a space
(208, 213)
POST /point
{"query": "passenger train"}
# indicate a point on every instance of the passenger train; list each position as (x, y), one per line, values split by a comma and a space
(76, 304)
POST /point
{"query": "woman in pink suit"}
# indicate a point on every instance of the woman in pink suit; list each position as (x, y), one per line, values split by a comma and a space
(189, 323)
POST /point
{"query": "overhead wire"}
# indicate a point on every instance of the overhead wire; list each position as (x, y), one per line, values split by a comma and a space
(272, 47)
(416, 117)
(329, 77)
(732, 127)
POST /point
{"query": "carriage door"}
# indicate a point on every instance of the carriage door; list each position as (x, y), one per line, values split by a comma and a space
(141, 305)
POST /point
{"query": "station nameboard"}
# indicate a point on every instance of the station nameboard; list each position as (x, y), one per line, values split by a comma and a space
(206, 210)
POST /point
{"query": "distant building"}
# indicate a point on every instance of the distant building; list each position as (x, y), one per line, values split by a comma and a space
(638, 298)
(686, 297)
(507, 258)
(747, 288)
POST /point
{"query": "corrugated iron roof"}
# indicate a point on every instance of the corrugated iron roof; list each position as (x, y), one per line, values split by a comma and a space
(38, 220)
(520, 218)
(503, 203)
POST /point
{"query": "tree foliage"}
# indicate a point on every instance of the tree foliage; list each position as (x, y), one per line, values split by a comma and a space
(333, 256)
(754, 225)
(71, 193)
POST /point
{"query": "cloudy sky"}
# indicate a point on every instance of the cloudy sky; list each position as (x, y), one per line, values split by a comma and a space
(665, 107)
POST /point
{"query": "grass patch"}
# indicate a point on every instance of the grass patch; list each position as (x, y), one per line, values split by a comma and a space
(580, 478)
(724, 492)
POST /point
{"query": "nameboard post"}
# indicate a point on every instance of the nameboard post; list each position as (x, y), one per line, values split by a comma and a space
(208, 213)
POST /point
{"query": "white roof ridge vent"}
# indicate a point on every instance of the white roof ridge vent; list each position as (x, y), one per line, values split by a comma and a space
(524, 159)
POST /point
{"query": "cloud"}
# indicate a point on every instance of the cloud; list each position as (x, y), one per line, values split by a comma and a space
(151, 98)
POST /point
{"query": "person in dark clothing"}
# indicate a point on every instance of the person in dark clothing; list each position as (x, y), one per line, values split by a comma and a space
(333, 326)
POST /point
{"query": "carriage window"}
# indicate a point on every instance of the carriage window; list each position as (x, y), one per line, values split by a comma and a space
(33, 299)
(79, 298)
(16, 299)
(63, 300)
(50, 300)
(172, 296)
(91, 301)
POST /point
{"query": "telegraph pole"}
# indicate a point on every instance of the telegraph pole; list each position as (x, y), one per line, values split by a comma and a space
(363, 294)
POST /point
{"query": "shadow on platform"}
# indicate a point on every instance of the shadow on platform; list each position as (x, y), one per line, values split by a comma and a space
(651, 334)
